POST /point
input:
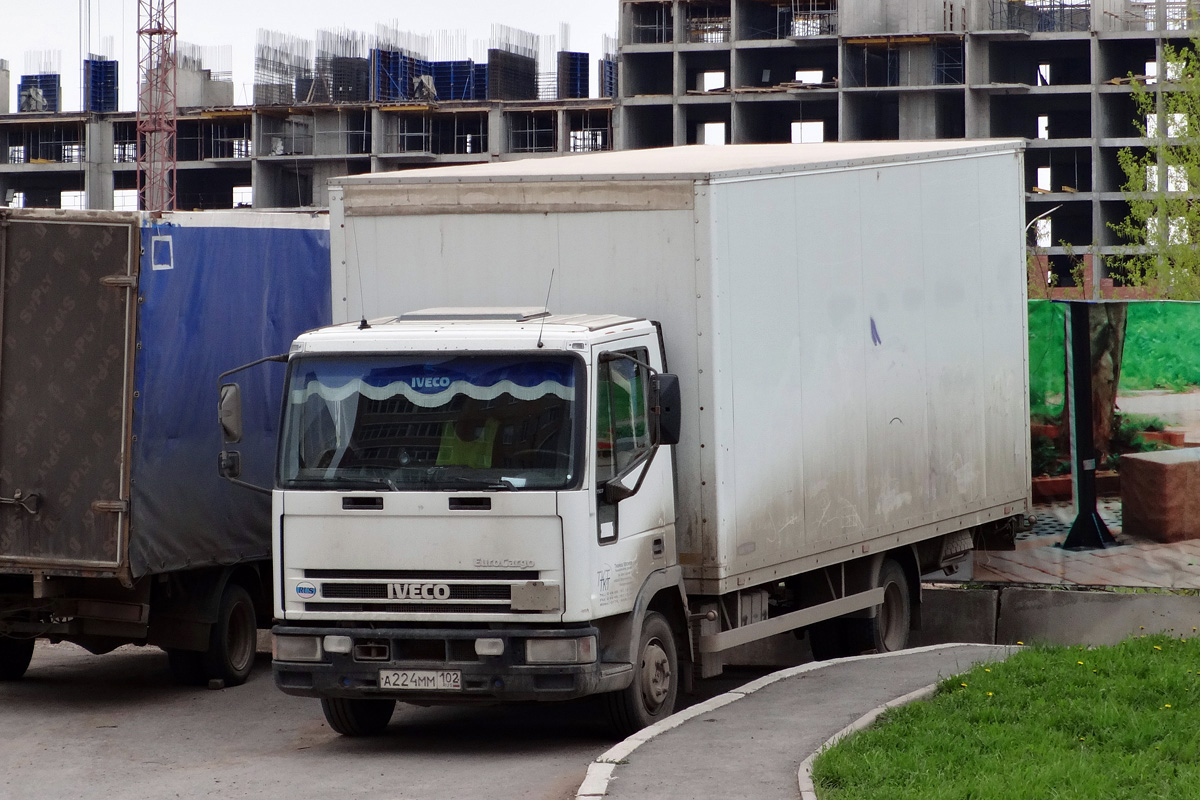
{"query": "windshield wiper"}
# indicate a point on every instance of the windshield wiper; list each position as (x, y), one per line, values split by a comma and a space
(360, 480)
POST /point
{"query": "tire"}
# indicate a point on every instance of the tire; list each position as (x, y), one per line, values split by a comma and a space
(888, 629)
(187, 667)
(15, 655)
(828, 640)
(234, 638)
(651, 696)
(357, 717)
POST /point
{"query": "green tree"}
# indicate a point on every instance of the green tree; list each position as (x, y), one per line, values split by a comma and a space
(1162, 229)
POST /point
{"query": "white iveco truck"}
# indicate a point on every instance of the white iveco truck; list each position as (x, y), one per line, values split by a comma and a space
(780, 384)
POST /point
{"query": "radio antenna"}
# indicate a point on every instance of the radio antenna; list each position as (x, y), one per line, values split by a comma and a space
(546, 309)
(362, 304)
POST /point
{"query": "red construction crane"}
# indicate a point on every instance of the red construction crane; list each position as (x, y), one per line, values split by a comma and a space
(156, 105)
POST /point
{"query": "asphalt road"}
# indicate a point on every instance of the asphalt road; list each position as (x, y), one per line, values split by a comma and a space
(115, 726)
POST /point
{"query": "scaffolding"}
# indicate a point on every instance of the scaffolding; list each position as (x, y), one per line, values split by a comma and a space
(707, 22)
(652, 22)
(1041, 16)
(948, 63)
(590, 130)
(574, 77)
(533, 131)
(41, 92)
(810, 18)
(43, 143)
(608, 68)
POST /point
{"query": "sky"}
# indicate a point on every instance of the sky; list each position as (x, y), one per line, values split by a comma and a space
(54, 25)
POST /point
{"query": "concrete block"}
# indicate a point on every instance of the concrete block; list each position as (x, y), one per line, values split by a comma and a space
(957, 615)
(1091, 618)
(1160, 494)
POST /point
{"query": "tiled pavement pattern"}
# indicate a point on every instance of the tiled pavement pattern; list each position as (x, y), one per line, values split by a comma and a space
(1132, 562)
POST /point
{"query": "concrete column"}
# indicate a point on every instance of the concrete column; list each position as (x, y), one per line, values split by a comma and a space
(497, 123)
(918, 115)
(98, 166)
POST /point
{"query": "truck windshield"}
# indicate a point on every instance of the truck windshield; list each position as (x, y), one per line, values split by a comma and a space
(414, 423)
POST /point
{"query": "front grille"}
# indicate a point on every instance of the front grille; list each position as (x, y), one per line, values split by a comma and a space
(424, 575)
(416, 591)
(408, 608)
(379, 591)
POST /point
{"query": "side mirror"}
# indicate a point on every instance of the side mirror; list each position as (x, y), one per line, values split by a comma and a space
(229, 412)
(664, 403)
(229, 464)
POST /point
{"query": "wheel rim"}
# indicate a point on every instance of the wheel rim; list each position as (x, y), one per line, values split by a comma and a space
(890, 616)
(656, 676)
(240, 637)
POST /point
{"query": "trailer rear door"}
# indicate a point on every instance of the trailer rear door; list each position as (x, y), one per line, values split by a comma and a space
(67, 280)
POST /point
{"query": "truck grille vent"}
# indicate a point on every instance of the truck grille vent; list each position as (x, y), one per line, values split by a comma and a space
(378, 591)
(409, 608)
(427, 575)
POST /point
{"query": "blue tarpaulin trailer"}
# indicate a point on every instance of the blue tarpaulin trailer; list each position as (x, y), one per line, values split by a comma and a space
(114, 525)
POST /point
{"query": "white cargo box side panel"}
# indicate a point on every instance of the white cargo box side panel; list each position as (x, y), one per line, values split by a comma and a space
(640, 263)
(869, 358)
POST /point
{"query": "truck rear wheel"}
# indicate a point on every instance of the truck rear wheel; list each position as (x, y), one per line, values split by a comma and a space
(888, 629)
(357, 717)
(651, 696)
(15, 655)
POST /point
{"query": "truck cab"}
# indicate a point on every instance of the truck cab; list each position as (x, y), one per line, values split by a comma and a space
(477, 505)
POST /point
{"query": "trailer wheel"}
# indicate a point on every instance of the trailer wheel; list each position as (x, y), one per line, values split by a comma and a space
(651, 696)
(888, 630)
(357, 717)
(234, 638)
(15, 655)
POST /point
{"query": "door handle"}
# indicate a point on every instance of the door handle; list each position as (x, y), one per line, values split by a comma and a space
(29, 502)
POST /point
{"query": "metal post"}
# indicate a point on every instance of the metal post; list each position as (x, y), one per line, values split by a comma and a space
(1088, 532)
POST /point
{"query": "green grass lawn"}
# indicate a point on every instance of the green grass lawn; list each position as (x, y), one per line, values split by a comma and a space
(1162, 351)
(1050, 722)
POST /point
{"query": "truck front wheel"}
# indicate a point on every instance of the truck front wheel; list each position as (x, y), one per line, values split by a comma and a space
(15, 655)
(355, 717)
(651, 696)
(233, 639)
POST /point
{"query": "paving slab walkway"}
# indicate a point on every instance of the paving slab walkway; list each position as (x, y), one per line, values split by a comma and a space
(752, 747)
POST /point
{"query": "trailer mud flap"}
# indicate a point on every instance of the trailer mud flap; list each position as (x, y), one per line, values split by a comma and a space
(66, 283)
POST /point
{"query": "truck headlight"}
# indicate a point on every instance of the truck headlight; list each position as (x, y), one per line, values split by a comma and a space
(561, 651)
(296, 648)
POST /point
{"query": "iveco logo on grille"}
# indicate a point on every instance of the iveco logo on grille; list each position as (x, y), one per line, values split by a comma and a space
(418, 591)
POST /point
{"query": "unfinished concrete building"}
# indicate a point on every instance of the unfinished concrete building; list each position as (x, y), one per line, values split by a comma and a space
(1055, 72)
(344, 104)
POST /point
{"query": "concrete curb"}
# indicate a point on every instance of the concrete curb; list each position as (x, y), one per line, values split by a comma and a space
(804, 774)
(600, 772)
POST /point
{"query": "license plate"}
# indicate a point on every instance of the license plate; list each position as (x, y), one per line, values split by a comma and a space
(420, 679)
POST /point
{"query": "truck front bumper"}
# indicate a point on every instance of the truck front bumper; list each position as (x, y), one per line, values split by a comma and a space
(503, 677)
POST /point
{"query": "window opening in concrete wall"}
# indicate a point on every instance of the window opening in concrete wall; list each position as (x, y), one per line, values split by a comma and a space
(243, 197)
(808, 132)
(1176, 230)
(16, 154)
(1176, 125)
(73, 200)
(809, 76)
(15, 199)
(125, 200)
(714, 133)
(1177, 180)
(1042, 229)
(707, 22)
(712, 81)
(1043, 75)
(533, 132)
(651, 24)
(948, 63)
(811, 18)
(1043, 127)
(1043, 179)
(590, 131)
